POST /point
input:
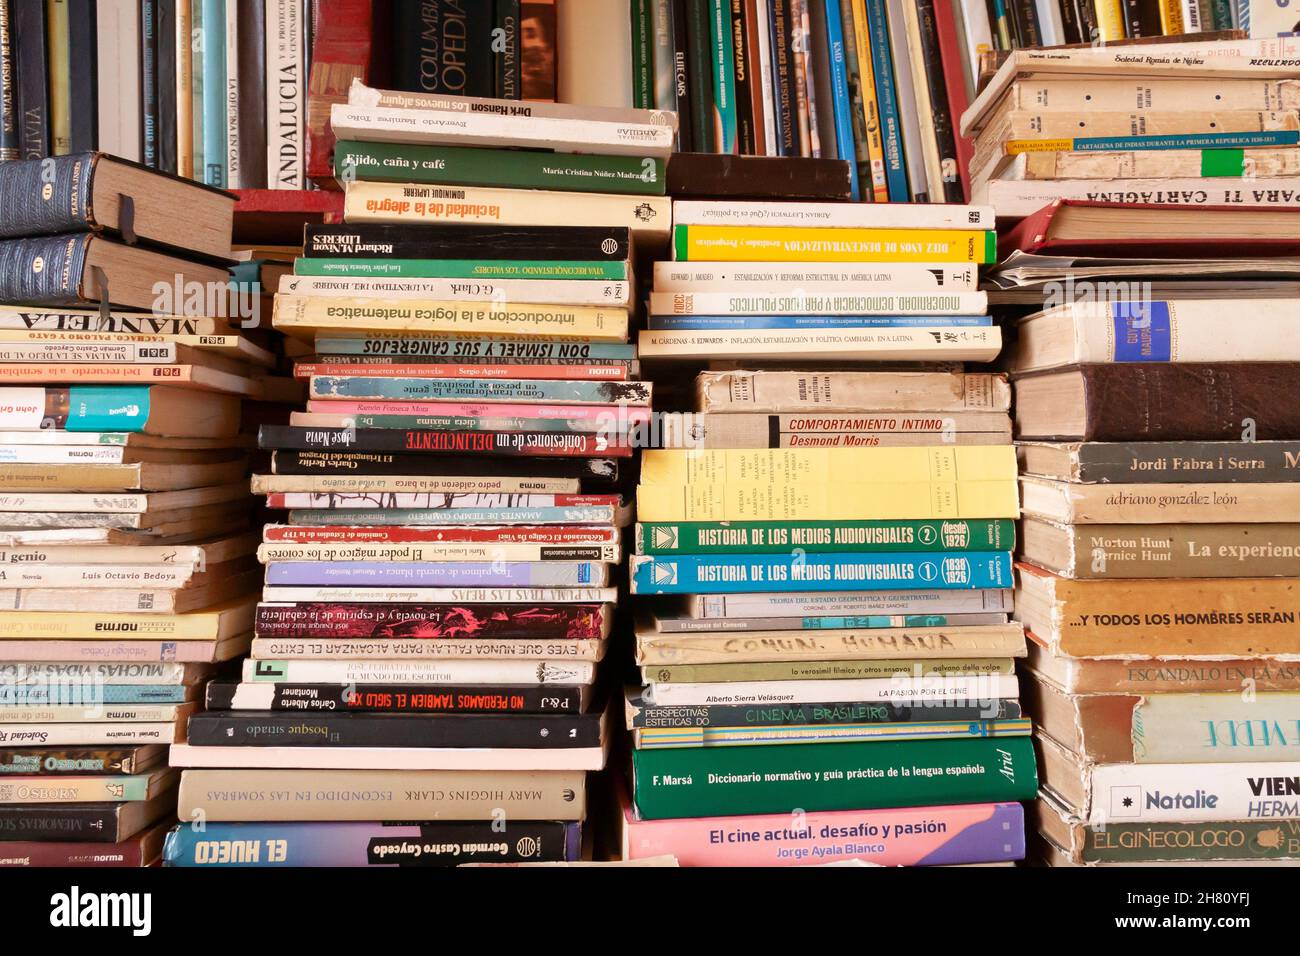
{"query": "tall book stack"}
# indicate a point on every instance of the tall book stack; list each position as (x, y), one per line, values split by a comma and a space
(828, 550)
(1159, 585)
(443, 588)
(127, 556)
(1207, 124)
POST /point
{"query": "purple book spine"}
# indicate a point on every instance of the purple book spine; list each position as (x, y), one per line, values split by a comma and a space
(520, 574)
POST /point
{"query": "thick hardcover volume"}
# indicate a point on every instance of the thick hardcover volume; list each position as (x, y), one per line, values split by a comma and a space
(937, 836)
(643, 715)
(1163, 462)
(816, 244)
(81, 760)
(466, 241)
(443, 47)
(696, 574)
(534, 731)
(709, 176)
(391, 698)
(45, 271)
(242, 795)
(31, 101)
(1194, 402)
(1238, 617)
(407, 621)
(98, 823)
(330, 844)
(724, 781)
(25, 210)
(741, 537)
(471, 166)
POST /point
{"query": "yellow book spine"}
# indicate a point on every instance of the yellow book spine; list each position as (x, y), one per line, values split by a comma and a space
(184, 103)
(299, 313)
(91, 625)
(829, 244)
(870, 106)
(1171, 17)
(828, 465)
(60, 90)
(1110, 19)
(753, 501)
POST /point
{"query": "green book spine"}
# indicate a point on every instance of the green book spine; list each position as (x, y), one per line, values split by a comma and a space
(778, 537)
(726, 781)
(461, 269)
(724, 77)
(699, 53)
(1221, 15)
(1181, 842)
(642, 67)
(467, 166)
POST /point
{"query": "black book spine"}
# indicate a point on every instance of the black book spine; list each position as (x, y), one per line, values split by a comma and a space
(944, 135)
(682, 75)
(66, 760)
(366, 240)
(42, 271)
(149, 82)
(746, 76)
(506, 51)
(10, 140)
(854, 712)
(252, 94)
(298, 462)
(1142, 18)
(165, 31)
(42, 199)
(80, 822)
(443, 47)
(1087, 15)
(1189, 461)
(31, 60)
(430, 441)
(507, 731)
(699, 48)
(406, 698)
(82, 79)
(1072, 31)
(1027, 14)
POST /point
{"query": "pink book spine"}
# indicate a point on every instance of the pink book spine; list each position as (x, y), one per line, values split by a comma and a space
(911, 836)
(474, 410)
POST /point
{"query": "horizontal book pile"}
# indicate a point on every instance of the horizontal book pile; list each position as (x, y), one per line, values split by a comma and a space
(1206, 124)
(442, 588)
(1161, 551)
(126, 549)
(823, 556)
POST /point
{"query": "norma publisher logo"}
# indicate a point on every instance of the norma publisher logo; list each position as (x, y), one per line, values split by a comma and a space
(75, 909)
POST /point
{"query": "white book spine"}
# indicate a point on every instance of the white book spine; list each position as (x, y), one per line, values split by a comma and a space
(1192, 17)
(985, 689)
(978, 34)
(937, 344)
(90, 675)
(73, 503)
(180, 557)
(1185, 331)
(385, 125)
(73, 735)
(232, 95)
(286, 88)
(1018, 198)
(813, 277)
(765, 78)
(538, 291)
(1213, 728)
(389, 759)
(22, 409)
(836, 215)
(1046, 94)
(120, 107)
(98, 353)
(96, 576)
(1194, 792)
(62, 454)
(754, 301)
(96, 713)
(849, 602)
(275, 648)
(429, 553)
(354, 595)
(420, 672)
(908, 108)
(1049, 22)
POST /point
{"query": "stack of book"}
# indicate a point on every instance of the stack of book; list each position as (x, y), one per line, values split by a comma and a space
(126, 555)
(838, 543)
(443, 589)
(1206, 124)
(1159, 585)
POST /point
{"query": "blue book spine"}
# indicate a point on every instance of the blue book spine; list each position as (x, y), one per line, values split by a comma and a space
(882, 64)
(740, 574)
(724, 73)
(448, 574)
(441, 843)
(475, 390)
(110, 408)
(1098, 144)
(215, 161)
(453, 516)
(842, 104)
(49, 695)
(464, 350)
(728, 322)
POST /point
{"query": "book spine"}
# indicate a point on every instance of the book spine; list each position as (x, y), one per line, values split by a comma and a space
(197, 98)
(1212, 728)
(32, 104)
(723, 72)
(440, 552)
(540, 50)
(426, 268)
(875, 30)
(236, 796)
(1283, 137)
(442, 673)
(944, 123)
(910, 44)
(822, 670)
(339, 844)
(165, 85)
(230, 92)
(86, 734)
(801, 78)
(392, 698)
(533, 731)
(983, 690)
(286, 88)
(184, 95)
(59, 77)
(10, 108)
(814, 278)
(643, 91)
(81, 61)
(805, 244)
(507, 77)
(216, 167)
(450, 650)
(804, 302)
(91, 695)
(816, 572)
(1245, 840)
(683, 79)
(460, 516)
(722, 781)
(31, 625)
(700, 56)
(1025, 197)
(97, 675)
(107, 645)
(689, 323)
(108, 789)
(64, 762)
(455, 390)
(45, 271)
(758, 35)
(1184, 551)
(431, 537)
(1163, 462)
(928, 637)
(330, 466)
(542, 291)
(610, 244)
(868, 149)
(96, 823)
(1190, 793)
(909, 106)
(465, 166)
(443, 574)
(921, 345)
(932, 837)
(748, 122)
(452, 318)
(847, 603)
(840, 105)
(789, 142)
(149, 82)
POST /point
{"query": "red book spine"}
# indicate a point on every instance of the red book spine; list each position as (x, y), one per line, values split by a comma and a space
(432, 621)
(955, 81)
(520, 534)
(343, 40)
